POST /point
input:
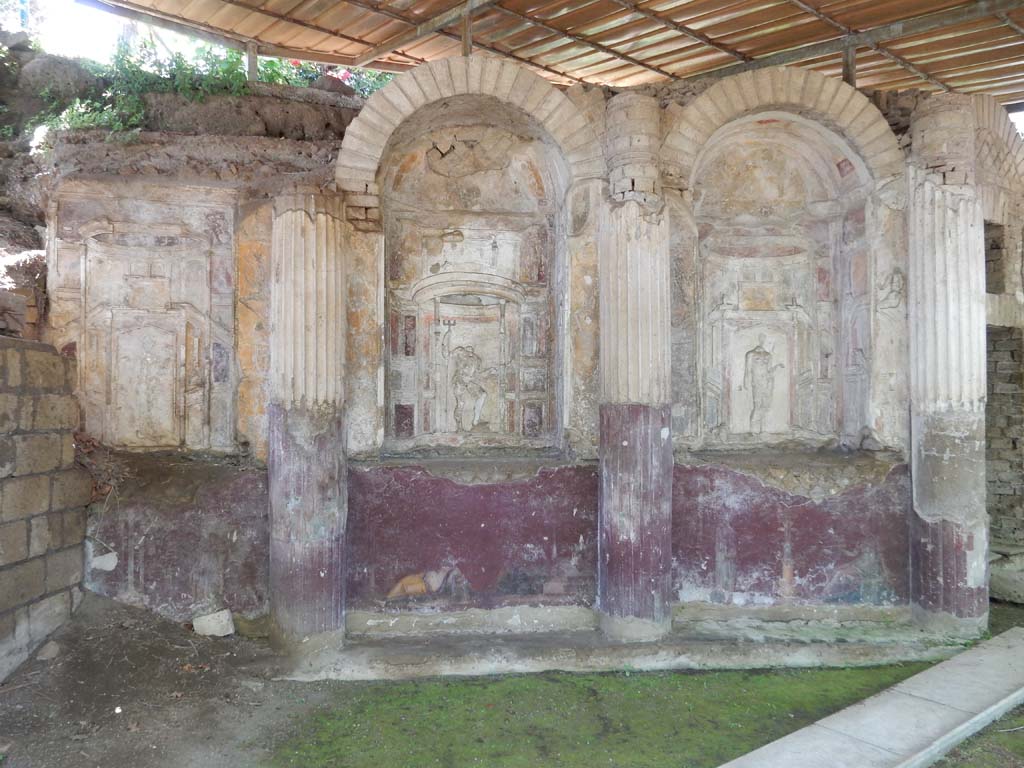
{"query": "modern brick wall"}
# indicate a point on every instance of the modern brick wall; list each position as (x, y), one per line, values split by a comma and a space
(1004, 433)
(43, 495)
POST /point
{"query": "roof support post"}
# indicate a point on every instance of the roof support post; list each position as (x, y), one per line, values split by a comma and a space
(850, 65)
(467, 32)
(252, 63)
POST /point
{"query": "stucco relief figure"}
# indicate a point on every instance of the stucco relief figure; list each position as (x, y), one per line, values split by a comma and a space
(893, 291)
(759, 380)
(467, 386)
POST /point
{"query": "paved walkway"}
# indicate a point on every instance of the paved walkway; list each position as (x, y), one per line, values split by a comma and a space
(914, 723)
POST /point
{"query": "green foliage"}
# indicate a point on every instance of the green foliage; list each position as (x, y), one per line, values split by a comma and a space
(288, 72)
(363, 81)
(118, 104)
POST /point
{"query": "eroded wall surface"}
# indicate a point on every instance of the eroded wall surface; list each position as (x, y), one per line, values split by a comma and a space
(143, 285)
(185, 537)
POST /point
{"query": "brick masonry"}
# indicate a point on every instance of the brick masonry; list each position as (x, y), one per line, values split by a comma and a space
(43, 495)
(995, 262)
(1004, 433)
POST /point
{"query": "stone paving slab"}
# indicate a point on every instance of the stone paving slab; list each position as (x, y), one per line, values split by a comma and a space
(914, 723)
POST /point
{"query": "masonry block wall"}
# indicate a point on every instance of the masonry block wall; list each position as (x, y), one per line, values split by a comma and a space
(1004, 433)
(42, 497)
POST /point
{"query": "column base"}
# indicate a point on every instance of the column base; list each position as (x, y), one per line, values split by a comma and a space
(630, 629)
(946, 625)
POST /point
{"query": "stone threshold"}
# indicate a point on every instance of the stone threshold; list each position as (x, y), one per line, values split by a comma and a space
(914, 723)
(691, 621)
(329, 657)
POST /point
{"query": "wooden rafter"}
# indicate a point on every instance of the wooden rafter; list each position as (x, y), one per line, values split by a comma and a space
(395, 16)
(584, 41)
(917, 25)
(876, 47)
(216, 36)
(969, 47)
(421, 30)
(689, 32)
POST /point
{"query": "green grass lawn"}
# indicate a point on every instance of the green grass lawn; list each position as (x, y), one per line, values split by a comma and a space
(684, 720)
(677, 719)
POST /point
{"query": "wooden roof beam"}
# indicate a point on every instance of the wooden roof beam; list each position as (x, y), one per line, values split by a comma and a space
(1011, 23)
(587, 42)
(690, 32)
(917, 25)
(395, 16)
(424, 29)
(893, 57)
(215, 36)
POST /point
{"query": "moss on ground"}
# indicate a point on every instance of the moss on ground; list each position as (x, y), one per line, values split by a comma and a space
(679, 719)
(686, 720)
(1002, 616)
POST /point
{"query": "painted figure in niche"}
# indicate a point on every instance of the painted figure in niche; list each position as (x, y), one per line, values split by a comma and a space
(469, 392)
(759, 379)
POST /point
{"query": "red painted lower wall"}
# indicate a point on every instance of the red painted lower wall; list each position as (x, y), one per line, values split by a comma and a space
(192, 535)
(523, 541)
(734, 539)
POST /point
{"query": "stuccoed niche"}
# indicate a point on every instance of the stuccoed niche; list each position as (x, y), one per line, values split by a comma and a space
(472, 257)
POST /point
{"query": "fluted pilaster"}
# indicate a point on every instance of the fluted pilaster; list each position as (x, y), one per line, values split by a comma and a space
(306, 464)
(635, 304)
(947, 290)
(307, 341)
(946, 300)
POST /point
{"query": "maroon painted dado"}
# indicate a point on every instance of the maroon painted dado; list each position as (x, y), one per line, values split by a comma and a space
(489, 544)
(635, 519)
(308, 503)
(738, 540)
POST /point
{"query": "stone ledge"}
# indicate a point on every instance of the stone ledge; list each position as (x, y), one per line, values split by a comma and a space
(324, 658)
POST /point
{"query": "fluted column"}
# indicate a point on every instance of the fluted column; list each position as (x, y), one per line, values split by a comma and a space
(949, 529)
(635, 503)
(308, 490)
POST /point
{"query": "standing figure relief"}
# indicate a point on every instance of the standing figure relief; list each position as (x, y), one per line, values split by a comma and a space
(467, 386)
(759, 379)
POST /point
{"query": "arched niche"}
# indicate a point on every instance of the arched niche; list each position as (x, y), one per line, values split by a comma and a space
(472, 192)
(774, 292)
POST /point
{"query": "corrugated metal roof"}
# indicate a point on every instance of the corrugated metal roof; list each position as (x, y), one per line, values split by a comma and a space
(623, 42)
